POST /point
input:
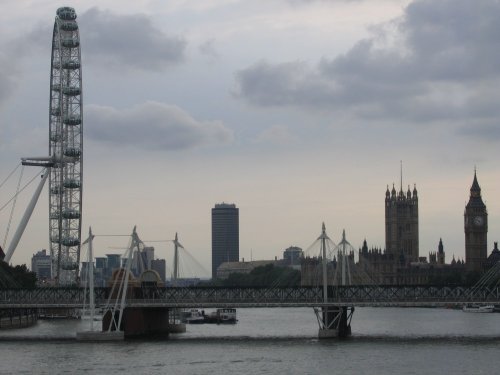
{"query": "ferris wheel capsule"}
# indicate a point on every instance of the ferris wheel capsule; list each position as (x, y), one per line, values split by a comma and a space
(66, 13)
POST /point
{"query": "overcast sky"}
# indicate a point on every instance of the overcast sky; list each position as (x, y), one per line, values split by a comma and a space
(297, 111)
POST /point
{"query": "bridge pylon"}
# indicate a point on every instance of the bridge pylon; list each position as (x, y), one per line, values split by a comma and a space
(333, 321)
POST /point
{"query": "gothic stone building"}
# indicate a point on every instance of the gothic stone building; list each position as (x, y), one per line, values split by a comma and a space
(391, 266)
(476, 229)
(399, 263)
(401, 225)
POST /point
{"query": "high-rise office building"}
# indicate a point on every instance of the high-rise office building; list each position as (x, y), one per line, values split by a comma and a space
(225, 235)
(113, 262)
(159, 266)
(41, 265)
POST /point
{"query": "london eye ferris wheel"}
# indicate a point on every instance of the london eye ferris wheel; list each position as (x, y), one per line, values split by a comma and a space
(65, 148)
(63, 166)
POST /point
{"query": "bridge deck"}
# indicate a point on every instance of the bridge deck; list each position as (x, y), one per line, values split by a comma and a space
(207, 297)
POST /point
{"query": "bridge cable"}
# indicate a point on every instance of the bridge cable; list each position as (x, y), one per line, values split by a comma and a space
(184, 265)
(20, 191)
(111, 235)
(10, 174)
(13, 207)
(486, 280)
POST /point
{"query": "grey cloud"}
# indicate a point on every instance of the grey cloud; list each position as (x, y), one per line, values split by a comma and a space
(8, 78)
(291, 83)
(488, 130)
(276, 134)
(207, 48)
(454, 39)
(152, 125)
(445, 66)
(112, 40)
(323, 1)
(128, 40)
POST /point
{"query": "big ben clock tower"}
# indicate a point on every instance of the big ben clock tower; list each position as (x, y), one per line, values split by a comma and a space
(476, 229)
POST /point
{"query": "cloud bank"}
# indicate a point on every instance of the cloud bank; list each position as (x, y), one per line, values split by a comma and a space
(128, 40)
(152, 126)
(439, 61)
(7, 78)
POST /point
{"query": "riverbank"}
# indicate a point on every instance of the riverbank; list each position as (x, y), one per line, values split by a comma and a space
(18, 318)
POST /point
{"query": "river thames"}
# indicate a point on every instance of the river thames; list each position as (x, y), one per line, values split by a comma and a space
(271, 341)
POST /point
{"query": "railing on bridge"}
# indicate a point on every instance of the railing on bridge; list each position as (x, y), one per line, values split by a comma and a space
(257, 296)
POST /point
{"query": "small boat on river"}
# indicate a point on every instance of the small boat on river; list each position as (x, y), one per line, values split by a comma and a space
(193, 317)
(478, 308)
(222, 316)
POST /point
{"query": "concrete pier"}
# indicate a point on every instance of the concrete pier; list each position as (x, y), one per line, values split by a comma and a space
(334, 322)
(142, 322)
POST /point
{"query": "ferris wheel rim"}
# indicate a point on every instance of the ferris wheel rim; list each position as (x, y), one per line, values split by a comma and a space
(65, 147)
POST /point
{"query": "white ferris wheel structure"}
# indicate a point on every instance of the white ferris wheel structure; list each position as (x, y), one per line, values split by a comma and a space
(63, 166)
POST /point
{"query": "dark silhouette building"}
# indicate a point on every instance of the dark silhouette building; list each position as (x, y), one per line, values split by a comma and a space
(439, 256)
(494, 257)
(225, 235)
(401, 225)
(159, 265)
(292, 256)
(476, 229)
(41, 265)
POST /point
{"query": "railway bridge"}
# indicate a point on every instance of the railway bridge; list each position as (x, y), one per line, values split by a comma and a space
(239, 297)
(154, 303)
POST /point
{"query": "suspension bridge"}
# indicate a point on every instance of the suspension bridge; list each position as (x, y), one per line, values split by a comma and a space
(333, 304)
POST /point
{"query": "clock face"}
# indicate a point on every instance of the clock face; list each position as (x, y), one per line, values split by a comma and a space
(478, 220)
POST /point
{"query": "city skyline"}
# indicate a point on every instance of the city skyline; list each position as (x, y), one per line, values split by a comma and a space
(306, 121)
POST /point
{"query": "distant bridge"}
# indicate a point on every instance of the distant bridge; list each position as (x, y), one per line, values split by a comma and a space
(208, 297)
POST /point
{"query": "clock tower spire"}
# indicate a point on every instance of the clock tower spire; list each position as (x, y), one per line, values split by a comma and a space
(476, 229)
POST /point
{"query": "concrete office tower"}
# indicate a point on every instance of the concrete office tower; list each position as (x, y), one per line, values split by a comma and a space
(225, 235)
(113, 262)
(41, 264)
(159, 266)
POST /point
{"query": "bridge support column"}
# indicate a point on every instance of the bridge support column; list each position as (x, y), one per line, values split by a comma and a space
(142, 322)
(175, 324)
(334, 321)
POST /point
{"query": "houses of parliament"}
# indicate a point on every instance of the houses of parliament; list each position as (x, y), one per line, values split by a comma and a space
(400, 262)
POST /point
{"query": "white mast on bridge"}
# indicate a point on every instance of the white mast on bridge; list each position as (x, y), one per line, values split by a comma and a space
(334, 321)
(177, 245)
(323, 237)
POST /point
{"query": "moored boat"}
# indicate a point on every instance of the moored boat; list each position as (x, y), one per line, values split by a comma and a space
(478, 308)
(193, 317)
(222, 316)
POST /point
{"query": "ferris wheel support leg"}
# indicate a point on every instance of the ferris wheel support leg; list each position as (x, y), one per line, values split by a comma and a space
(26, 217)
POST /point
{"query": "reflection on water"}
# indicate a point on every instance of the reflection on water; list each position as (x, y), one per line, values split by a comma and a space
(300, 323)
(271, 341)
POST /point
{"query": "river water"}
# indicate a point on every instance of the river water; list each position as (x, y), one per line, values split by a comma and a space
(272, 341)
